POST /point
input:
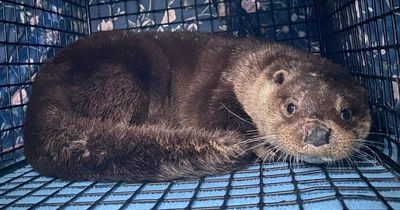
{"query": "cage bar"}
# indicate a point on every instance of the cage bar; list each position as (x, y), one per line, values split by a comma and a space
(362, 35)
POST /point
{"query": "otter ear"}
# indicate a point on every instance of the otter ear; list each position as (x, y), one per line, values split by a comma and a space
(280, 76)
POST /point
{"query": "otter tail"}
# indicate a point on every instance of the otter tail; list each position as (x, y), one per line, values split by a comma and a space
(61, 143)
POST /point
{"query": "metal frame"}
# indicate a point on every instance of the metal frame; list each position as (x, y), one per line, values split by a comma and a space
(371, 31)
(271, 186)
(367, 184)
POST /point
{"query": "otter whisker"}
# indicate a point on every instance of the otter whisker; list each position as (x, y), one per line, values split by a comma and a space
(284, 154)
(260, 157)
(341, 164)
(268, 135)
(250, 148)
(336, 163)
(282, 157)
(253, 136)
(374, 156)
(370, 143)
(363, 155)
(266, 151)
(264, 154)
(299, 162)
(244, 120)
(247, 141)
(278, 159)
(378, 134)
(293, 160)
(367, 159)
(355, 161)
(251, 139)
(365, 141)
(270, 152)
(327, 163)
(278, 150)
(265, 158)
(367, 147)
(252, 133)
(347, 161)
(273, 153)
(271, 147)
(287, 160)
(350, 161)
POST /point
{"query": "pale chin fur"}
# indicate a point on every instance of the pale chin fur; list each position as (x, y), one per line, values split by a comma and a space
(317, 160)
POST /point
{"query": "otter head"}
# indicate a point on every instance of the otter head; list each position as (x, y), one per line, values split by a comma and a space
(305, 107)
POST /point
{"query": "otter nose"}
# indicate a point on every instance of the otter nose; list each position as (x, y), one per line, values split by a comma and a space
(317, 134)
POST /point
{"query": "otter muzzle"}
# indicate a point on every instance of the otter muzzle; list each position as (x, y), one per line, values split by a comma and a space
(316, 134)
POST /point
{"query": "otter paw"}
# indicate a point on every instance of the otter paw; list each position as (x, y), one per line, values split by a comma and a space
(77, 149)
(230, 144)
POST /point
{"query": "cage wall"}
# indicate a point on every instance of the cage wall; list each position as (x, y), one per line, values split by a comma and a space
(362, 35)
(31, 32)
(292, 22)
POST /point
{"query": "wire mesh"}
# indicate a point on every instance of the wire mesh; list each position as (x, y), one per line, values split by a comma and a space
(270, 186)
(31, 31)
(363, 35)
(292, 22)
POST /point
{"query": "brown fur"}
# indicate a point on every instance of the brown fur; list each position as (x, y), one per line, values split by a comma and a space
(160, 106)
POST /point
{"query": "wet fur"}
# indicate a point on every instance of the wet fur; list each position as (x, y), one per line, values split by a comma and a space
(149, 106)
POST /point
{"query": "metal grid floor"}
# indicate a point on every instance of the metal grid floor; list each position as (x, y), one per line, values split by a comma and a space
(260, 186)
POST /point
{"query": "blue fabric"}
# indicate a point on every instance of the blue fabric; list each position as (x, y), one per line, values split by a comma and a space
(290, 21)
(34, 31)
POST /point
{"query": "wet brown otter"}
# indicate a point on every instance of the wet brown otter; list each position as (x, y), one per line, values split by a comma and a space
(159, 106)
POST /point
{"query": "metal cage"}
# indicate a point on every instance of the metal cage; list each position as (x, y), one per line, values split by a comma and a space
(362, 35)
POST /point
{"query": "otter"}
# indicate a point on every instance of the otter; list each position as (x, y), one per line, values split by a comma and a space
(126, 106)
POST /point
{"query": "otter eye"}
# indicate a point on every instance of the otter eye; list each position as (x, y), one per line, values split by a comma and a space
(290, 108)
(345, 114)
